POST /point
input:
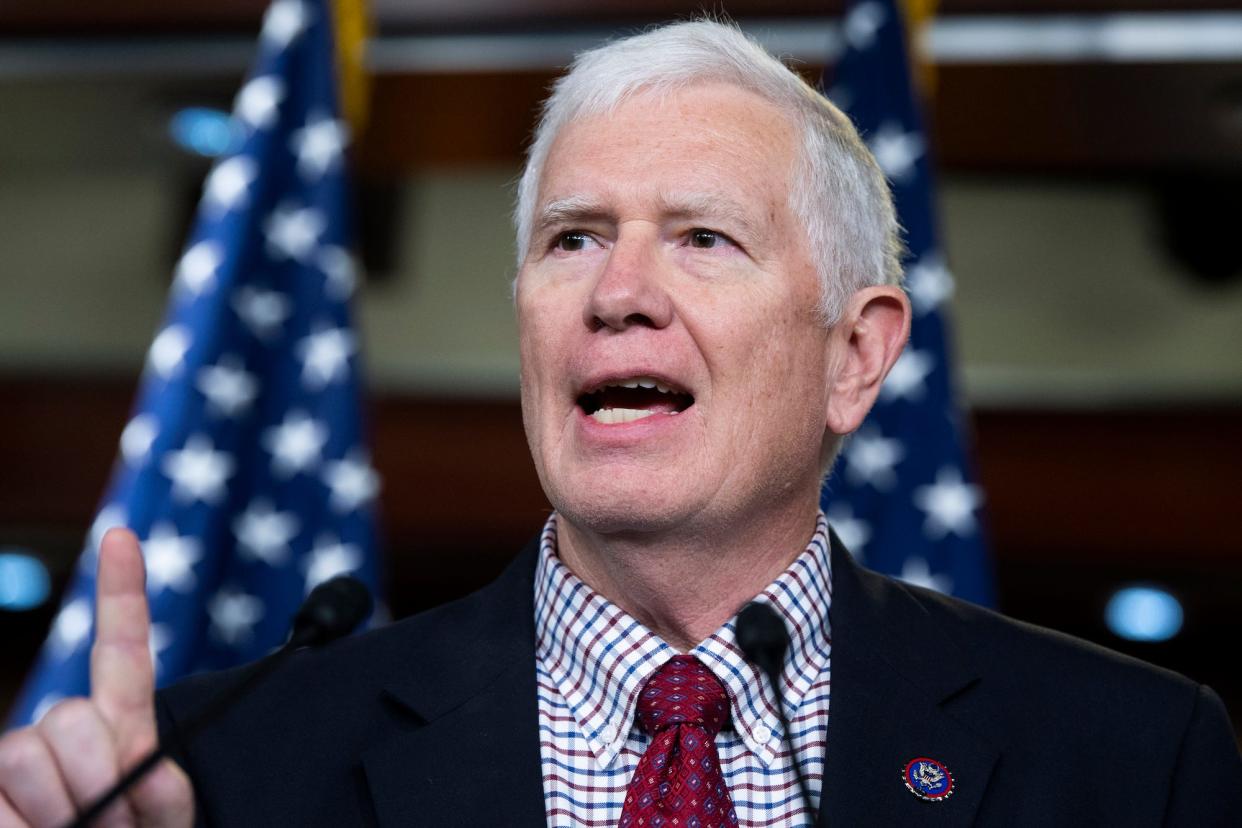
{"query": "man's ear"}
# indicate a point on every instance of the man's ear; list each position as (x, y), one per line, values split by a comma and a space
(867, 339)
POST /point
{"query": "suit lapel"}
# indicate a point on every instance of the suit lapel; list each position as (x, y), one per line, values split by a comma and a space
(463, 746)
(898, 683)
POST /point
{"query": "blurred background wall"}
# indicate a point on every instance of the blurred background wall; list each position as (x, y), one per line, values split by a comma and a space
(1090, 156)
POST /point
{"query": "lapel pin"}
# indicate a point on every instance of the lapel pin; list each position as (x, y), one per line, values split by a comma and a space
(928, 779)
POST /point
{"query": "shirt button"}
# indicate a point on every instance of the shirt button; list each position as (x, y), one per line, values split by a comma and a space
(763, 733)
(609, 734)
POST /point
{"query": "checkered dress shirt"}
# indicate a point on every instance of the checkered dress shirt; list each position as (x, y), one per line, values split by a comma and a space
(592, 659)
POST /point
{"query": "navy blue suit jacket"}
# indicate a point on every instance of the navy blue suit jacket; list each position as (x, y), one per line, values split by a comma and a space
(433, 721)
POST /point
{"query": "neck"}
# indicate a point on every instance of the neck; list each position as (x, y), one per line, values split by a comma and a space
(682, 586)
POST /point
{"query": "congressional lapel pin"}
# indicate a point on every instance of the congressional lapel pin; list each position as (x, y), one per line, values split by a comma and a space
(928, 779)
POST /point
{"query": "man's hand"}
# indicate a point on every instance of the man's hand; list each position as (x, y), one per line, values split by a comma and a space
(54, 769)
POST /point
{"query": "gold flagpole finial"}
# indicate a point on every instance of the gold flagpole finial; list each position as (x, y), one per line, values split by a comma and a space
(352, 29)
(918, 15)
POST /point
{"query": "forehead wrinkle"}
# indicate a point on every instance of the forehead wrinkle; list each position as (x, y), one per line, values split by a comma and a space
(709, 206)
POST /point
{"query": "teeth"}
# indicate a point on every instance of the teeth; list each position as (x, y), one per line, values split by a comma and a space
(641, 382)
(611, 416)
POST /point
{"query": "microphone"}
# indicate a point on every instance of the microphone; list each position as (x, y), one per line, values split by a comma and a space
(763, 640)
(332, 610)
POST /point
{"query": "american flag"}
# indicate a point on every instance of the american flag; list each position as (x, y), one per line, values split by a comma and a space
(902, 496)
(244, 469)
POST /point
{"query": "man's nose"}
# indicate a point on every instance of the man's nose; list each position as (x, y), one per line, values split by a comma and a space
(632, 287)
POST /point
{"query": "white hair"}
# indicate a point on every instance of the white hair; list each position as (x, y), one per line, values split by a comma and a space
(838, 190)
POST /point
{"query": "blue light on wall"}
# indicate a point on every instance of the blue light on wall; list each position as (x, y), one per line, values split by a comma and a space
(203, 131)
(1143, 613)
(24, 582)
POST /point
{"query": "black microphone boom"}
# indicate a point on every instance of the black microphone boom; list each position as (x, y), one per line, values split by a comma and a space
(332, 610)
(764, 640)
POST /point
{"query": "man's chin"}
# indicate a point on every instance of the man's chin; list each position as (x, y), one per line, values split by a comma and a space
(618, 514)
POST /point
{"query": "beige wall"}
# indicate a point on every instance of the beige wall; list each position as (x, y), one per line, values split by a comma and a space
(1064, 296)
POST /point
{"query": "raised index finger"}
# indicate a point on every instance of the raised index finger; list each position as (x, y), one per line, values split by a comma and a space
(122, 676)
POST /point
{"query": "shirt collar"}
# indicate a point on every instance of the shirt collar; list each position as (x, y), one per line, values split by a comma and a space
(600, 657)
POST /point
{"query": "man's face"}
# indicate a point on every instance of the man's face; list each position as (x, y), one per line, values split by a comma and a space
(665, 254)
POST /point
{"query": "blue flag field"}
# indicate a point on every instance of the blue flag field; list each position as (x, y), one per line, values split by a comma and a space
(244, 468)
(902, 495)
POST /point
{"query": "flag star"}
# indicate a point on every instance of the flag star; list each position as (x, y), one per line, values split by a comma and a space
(852, 531)
(330, 558)
(158, 640)
(198, 267)
(258, 102)
(318, 145)
(168, 350)
(233, 615)
(228, 185)
(137, 437)
(262, 311)
(72, 626)
(340, 269)
(950, 504)
(870, 458)
(929, 283)
(295, 444)
(293, 232)
(862, 24)
(906, 379)
(916, 571)
(229, 389)
(896, 150)
(352, 482)
(325, 356)
(198, 471)
(264, 534)
(284, 21)
(170, 559)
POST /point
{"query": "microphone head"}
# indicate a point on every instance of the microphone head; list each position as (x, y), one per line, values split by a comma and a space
(332, 610)
(762, 637)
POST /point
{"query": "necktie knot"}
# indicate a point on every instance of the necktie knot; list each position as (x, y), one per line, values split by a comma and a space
(678, 781)
(683, 691)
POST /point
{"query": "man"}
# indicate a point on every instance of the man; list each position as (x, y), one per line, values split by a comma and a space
(707, 303)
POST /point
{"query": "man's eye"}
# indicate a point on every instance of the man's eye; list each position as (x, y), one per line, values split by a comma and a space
(572, 241)
(707, 239)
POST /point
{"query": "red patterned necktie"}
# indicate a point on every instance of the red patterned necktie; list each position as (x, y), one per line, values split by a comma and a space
(678, 783)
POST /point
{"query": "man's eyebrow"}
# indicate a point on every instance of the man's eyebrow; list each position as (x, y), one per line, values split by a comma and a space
(570, 211)
(707, 206)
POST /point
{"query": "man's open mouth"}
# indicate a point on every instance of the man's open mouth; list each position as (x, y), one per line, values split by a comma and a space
(633, 398)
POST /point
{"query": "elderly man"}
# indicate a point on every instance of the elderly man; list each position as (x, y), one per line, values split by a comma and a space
(708, 304)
